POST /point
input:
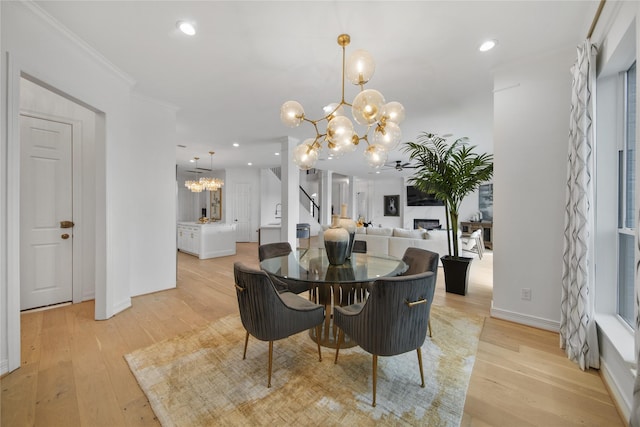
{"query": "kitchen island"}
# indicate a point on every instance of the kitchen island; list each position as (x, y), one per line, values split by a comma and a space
(206, 241)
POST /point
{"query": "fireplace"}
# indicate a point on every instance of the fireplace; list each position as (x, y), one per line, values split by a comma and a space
(427, 224)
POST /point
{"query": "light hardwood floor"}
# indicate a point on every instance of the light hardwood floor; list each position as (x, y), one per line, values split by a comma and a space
(73, 372)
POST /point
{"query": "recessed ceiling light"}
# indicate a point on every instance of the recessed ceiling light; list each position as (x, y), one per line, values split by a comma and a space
(277, 154)
(235, 144)
(191, 161)
(249, 164)
(488, 45)
(189, 28)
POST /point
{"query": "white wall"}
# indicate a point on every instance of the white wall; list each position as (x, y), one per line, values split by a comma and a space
(531, 122)
(35, 44)
(153, 204)
(377, 190)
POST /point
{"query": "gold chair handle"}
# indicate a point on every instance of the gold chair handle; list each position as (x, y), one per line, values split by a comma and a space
(239, 288)
(411, 304)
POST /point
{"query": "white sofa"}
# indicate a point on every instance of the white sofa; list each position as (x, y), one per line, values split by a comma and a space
(394, 241)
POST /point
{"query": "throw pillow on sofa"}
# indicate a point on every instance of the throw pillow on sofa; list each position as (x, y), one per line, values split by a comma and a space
(379, 231)
(412, 234)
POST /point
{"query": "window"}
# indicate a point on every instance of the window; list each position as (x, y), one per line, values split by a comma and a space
(626, 201)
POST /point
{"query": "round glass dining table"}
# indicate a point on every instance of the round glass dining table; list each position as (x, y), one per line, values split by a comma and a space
(332, 285)
(312, 265)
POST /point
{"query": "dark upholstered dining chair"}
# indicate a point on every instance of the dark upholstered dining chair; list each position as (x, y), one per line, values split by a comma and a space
(393, 320)
(360, 246)
(273, 250)
(270, 316)
(419, 261)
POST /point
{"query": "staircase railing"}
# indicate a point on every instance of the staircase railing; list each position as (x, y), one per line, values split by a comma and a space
(315, 208)
(305, 199)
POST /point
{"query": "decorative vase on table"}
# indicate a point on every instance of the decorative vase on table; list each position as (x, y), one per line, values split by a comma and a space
(349, 225)
(336, 242)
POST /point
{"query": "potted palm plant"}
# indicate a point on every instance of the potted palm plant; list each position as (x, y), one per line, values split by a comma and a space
(451, 172)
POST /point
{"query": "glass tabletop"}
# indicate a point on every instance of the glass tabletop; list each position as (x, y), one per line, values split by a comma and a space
(312, 265)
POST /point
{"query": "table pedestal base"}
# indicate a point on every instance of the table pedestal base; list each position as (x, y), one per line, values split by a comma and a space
(332, 295)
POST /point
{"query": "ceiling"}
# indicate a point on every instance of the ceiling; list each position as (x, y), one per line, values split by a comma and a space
(247, 58)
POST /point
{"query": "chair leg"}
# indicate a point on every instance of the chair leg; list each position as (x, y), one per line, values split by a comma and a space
(420, 364)
(318, 331)
(246, 341)
(270, 362)
(375, 377)
(340, 339)
(429, 326)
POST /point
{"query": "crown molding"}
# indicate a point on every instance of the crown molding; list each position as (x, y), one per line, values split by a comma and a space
(93, 53)
(146, 98)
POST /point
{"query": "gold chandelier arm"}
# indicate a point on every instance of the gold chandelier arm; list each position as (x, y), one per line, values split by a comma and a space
(318, 134)
(364, 137)
(343, 66)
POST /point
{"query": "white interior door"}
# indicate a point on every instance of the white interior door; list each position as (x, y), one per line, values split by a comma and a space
(46, 249)
(243, 212)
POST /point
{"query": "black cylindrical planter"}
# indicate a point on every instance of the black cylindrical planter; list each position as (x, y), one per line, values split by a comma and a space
(456, 274)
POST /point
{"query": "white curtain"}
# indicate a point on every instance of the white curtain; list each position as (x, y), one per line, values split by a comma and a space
(634, 419)
(577, 324)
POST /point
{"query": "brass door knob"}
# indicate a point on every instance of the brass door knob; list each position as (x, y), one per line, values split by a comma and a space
(66, 224)
(65, 236)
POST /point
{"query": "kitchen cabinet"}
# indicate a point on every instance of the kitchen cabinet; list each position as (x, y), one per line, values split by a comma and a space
(206, 240)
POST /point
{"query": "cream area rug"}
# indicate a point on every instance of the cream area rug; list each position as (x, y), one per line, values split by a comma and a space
(200, 379)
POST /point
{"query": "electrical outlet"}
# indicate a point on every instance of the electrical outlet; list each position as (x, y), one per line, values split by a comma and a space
(525, 294)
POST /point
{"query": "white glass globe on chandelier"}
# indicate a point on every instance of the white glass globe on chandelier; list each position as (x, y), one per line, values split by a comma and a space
(369, 109)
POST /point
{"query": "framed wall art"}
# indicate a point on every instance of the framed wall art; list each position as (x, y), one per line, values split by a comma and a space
(485, 201)
(215, 212)
(392, 205)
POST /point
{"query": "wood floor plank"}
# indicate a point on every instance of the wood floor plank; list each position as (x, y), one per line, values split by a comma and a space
(74, 373)
(554, 405)
(19, 396)
(30, 334)
(96, 396)
(57, 396)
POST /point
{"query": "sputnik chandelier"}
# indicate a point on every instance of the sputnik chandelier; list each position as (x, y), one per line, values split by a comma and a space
(204, 183)
(369, 109)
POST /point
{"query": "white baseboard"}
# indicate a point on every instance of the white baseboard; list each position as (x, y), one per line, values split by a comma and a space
(4, 366)
(524, 319)
(617, 393)
(122, 305)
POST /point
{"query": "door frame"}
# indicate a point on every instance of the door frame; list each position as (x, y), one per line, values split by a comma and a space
(76, 196)
(14, 71)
